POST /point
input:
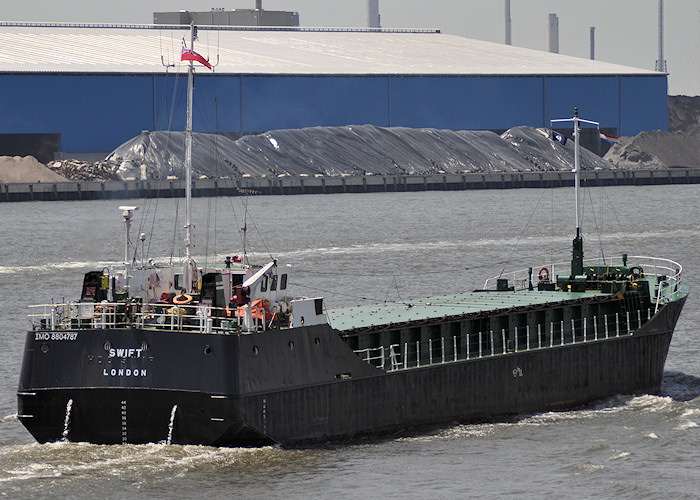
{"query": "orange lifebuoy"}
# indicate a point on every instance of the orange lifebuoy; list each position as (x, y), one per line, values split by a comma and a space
(182, 299)
(543, 274)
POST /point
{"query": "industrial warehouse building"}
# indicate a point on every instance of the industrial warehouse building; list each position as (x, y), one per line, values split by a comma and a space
(79, 90)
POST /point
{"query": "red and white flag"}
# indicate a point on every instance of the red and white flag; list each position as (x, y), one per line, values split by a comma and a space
(609, 138)
(191, 55)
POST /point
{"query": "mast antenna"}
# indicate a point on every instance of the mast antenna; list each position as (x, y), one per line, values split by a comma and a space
(245, 233)
(162, 58)
(127, 213)
(189, 264)
(577, 253)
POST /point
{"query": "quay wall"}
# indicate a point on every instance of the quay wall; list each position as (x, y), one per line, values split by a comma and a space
(65, 191)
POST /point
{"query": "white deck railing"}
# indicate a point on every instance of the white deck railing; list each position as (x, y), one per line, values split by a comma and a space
(195, 318)
(416, 354)
(656, 267)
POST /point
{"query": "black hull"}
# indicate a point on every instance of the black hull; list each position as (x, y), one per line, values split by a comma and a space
(304, 385)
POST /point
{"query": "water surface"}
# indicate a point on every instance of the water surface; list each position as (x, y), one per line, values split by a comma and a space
(351, 249)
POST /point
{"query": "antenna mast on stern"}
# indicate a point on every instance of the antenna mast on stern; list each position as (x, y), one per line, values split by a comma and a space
(127, 213)
(189, 263)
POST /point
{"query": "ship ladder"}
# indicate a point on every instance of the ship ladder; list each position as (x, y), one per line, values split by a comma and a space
(395, 363)
(634, 308)
(629, 305)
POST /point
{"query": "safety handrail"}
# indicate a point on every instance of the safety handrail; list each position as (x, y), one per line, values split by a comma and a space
(661, 267)
(199, 318)
(481, 344)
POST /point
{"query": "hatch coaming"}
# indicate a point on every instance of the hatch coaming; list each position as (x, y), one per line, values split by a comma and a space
(602, 303)
(501, 331)
(455, 306)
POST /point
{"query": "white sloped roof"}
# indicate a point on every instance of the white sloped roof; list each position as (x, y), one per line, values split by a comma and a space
(142, 49)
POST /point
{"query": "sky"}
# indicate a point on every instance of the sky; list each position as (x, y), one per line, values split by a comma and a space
(626, 30)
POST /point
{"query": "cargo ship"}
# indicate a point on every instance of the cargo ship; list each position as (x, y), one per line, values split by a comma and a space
(221, 356)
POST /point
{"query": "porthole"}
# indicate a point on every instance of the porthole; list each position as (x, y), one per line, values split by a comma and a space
(108, 346)
(44, 348)
(256, 351)
(291, 345)
(208, 350)
(317, 341)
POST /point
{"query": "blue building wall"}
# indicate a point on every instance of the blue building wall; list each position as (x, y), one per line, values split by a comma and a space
(217, 104)
(91, 112)
(644, 104)
(96, 113)
(307, 101)
(598, 99)
(466, 103)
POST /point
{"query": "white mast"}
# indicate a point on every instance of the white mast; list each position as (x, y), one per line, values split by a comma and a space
(577, 169)
(127, 213)
(189, 264)
(577, 157)
(577, 256)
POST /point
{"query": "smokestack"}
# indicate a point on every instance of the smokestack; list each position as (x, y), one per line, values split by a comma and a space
(508, 40)
(373, 18)
(592, 43)
(258, 4)
(553, 32)
(661, 62)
